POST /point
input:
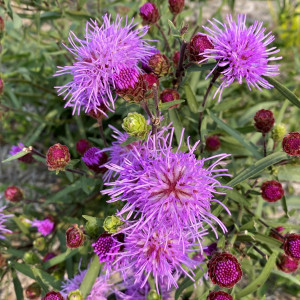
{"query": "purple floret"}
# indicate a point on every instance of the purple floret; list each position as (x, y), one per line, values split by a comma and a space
(242, 53)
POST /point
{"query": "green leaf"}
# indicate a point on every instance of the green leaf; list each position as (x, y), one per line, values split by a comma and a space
(284, 206)
(174, 30)
(59, 258)
(191, 98)
(248, 226)
(16, 156)
(273, 243)
(90, 276)
(234, 133)
(17, 285)
(21, 226)
(284, 91)
(261, 279)
(167, 105)
(290, 277)
(258, 167)
(130, 140)
(176, 123)
(28, 271)
(203, 67)
(17, 21)
(188, 281)
(221, 242)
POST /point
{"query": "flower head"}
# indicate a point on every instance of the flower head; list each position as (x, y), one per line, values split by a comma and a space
(33, 291)
(287, 264)
(167, 186)
(45, 226)
(13, 194)
(264, 120)
(176, 6)
(291, 144)
(241, 53)
(28, 158)
(57, 157)
(224, 270)
(106, 246)
(159, 64)
(53, 296)
(3, 219)
(135, 124)
(149, 13)
(212, 143)
(291, 245)
(101, 59)
(168, 95)
(94, 158)
(219, 295)
(82, 146)
(272, 191)
(74, 237)
(198, 44)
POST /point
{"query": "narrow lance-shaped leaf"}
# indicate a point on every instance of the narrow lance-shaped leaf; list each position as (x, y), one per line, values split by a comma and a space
(191, 98)
(16, 156)
(17, 285)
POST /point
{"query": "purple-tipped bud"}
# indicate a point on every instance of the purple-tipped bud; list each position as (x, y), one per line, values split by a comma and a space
(74, 237)
(291, 245)
(176, 6)
(149, 13)
(224, 270)
(28, 158)
(33, 291)
(287, 264)
(276, 236)
(126, 78)
(196, 47)
(53, 296)
(13, 194)
(291, 144)
(272, 191)
(219, 295)
(94, 159)
(106, 246)
(159, 64)
(169, 95)
(57, 157)
(212, 143)
(264, 120)
(82, 146)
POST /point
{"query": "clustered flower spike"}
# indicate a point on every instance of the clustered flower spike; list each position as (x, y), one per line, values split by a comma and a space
(3, 218)
(272, 191)
(264, 120)
(100, 61)
(241, 53)
(291, 245)
(219, 295)
(291, 144)
(28, 158)
(45, 226)
(94, 159)
(224, 270)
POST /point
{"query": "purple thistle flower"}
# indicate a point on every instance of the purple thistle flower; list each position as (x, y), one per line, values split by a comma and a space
(45, 226)
(161, 251)
(28, 158)
(241, 53)
(164, 185)
(100, 60)
(94, 158)
(3, 219)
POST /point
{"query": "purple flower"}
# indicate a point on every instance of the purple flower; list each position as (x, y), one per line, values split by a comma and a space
(94, 158)
(168, 186)
(100, 60)
(45, 226)
(242, 53)
(3, 219)
(28, 158)
(16, 149)
(157, 250)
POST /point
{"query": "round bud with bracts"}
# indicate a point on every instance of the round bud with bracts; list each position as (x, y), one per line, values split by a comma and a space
(212, 143)
(111, 224)
(278, 132)
(291, 144)
(176, 6)
(159, 64)
(169, 95)
(74, 237)
(57, 157)
(135, 125)
(272, 191)
(291, 245)
(13, 194)
(149, 13)
(33, 291)
(82, 146)
(75, 295)
(53, 296)
(287, 264)
(264, 121)
(197, 45)
(219, 295)
(94, 159)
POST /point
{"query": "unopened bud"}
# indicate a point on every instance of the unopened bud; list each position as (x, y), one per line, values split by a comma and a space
(169, 95)
(152, 295)
(74, 237)
(278, 132)
(33, 291)
(13, 194)
(58, 157)
(159, 64)
(197, 46)
(176, 6)
(39, 244)
(31, 258)
(264, 120)
(135, 124)
(149, 13)
(75, 295)
(111, 224)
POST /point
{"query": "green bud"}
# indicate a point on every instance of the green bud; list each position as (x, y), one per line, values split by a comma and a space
(75, 295)
(31, 258)
(278, 132)
(111, 224)
(135, 124)
(274, 170)
(152, 295)
(39, 244)
(92, 229)
(24, 222)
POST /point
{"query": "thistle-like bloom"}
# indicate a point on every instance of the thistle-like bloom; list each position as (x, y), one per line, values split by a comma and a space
(158, 250)
(105, 54)
(165, 185)
(94, 158)
(242, 53)
(3, 219)
(45, 226)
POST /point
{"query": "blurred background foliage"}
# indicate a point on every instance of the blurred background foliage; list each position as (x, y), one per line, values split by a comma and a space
(33, 114)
